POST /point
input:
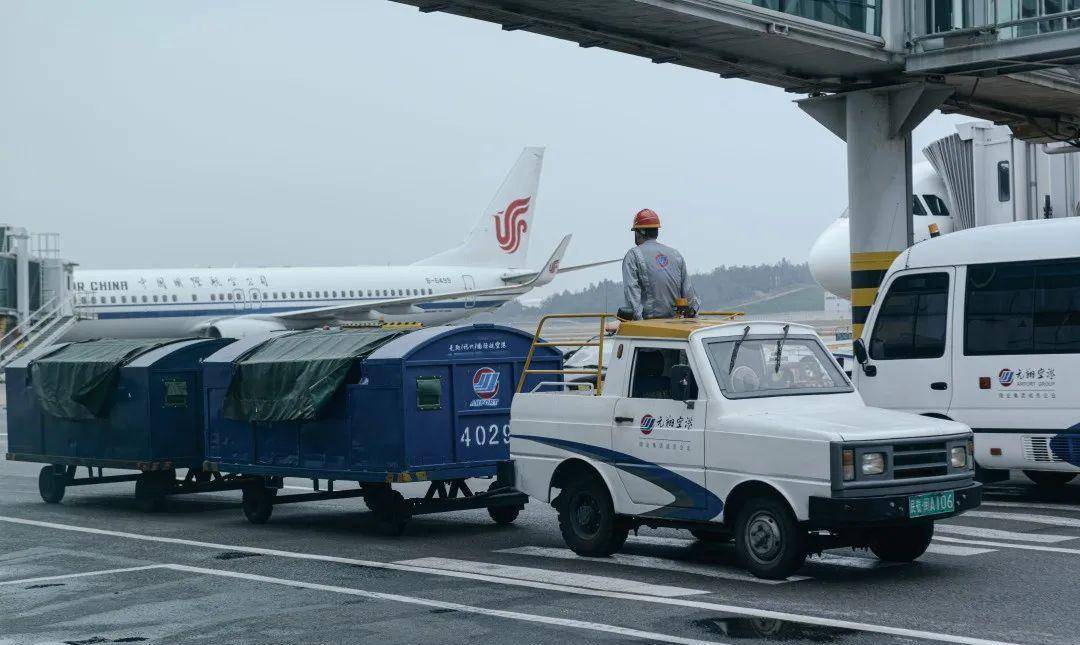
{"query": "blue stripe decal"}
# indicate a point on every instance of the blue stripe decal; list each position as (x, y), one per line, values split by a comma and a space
(233, 311)
(706, 505)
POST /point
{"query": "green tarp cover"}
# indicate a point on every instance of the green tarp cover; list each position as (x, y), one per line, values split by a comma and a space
(75, 381)
(291, 377)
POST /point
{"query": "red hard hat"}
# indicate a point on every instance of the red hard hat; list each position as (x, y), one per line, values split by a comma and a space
(646, 218)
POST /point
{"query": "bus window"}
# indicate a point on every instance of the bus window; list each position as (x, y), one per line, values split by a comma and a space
(1022, 308)
(911, 321)
(936, 205)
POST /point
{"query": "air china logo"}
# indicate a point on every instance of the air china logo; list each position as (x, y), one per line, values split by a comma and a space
(661, 260)
(510, 225)
(554, 268)
(647, 423)
(1005, 377)
(485, 384)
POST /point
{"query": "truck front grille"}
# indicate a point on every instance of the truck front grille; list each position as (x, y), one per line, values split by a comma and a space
(914, 460)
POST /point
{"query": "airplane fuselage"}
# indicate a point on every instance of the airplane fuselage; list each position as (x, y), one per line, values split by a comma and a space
(175, 302)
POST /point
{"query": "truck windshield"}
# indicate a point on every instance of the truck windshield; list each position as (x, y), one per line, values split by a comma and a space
(802, 368)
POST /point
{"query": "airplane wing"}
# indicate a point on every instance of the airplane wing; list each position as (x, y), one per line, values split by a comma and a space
(517, 278)
(404, 305)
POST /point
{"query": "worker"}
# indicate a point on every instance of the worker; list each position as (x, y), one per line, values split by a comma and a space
(655, 281)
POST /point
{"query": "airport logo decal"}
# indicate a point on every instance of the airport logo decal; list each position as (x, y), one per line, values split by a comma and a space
(485, 384)
(512, 226)
(647, 423)
(661, 260)
(1005, 377)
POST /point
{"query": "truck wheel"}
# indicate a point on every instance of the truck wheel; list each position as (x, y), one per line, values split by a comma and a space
(768, 539)
(901, 543)
(587, 519)
(710, 536)
(150, 490)
(51, 483)
(1049, 479)
(258, 503)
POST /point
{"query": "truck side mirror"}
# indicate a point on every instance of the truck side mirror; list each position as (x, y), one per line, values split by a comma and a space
(859, 348)
(680, 382)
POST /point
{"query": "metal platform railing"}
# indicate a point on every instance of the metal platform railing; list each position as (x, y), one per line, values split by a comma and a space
(951, 24)
(42, 327)
(597, 341)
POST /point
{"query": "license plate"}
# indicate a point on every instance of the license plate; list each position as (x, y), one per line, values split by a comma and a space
(931, 504)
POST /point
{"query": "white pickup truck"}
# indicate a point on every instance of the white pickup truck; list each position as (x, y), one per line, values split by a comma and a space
(737, 430)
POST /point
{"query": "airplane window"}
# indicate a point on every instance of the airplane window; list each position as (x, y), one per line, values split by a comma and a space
(292, 294)
(82, 300)
(112, 299)
(155, 298)
(93, 300)
(194, 298)
(174, 297)
(369, 293)
(308, 294)
(917, 207)
(254, 295)
(144, 298)
(936, 205)
(123, 298)
(325, 294)
(213, 297)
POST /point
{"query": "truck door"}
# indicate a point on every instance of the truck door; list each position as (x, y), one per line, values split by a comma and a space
(909, 340)
(659, 440)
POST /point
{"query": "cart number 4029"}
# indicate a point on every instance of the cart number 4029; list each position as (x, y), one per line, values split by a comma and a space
(492, 435)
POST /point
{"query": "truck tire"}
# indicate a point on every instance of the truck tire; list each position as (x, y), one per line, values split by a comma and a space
(768, 539)
(51, 483)
(901, 543)
(587, 519)
(1049, 479)
(258, 503)
(151, 488)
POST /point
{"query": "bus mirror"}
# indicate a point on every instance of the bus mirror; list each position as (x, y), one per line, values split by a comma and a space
(859, 348)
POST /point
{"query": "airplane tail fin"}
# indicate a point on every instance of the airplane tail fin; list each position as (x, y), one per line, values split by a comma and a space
(500, 237)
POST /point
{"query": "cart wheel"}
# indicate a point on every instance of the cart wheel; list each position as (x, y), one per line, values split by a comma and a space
(258, 503)
(150, 491)
(51, 483)
(392, 512)
(504, 515)
(374, 496)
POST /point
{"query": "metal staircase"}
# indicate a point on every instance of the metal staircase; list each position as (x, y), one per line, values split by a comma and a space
(43, 327)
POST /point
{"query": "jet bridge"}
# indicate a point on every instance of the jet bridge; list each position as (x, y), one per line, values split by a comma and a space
(873, 70)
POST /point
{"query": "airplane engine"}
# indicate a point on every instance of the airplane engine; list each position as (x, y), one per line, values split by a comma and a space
(830, 259)
(241, 327)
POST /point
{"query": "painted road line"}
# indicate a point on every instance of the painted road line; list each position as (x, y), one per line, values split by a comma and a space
(1006, 545)
(84, 574)
(1027, 517)
(945, 549)
(978, 531)
(1046, 506)
(452, 606)
(650, 562)
(704, 605)
(558, 577)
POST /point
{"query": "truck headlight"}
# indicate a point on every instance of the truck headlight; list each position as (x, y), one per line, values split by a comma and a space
(958, 457)
(848, 463)
(873, 463)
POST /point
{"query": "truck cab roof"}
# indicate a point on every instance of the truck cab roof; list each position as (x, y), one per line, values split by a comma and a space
(683, 328)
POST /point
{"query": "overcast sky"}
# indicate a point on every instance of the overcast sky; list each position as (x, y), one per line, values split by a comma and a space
(194, 133)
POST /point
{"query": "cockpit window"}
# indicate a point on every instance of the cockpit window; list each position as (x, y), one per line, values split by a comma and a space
(802, 368)
(936, 205)
(916, 206)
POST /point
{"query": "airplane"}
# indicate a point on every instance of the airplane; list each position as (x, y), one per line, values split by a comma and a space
(830, 256)
(480, 274)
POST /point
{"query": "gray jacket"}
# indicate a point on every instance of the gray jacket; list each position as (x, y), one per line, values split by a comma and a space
(654, 275)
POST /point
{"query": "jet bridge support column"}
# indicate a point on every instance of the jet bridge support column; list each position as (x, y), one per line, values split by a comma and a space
(876, 124)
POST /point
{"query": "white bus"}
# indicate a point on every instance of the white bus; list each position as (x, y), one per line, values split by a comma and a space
(982, 326)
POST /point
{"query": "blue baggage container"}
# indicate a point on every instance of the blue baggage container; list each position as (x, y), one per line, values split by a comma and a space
(146, 415)
(429, 405)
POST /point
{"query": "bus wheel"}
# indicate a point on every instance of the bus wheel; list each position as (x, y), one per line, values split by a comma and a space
(902, 543)
(51, 483)
(768, 538)
(1049, 479)
(587, 519)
